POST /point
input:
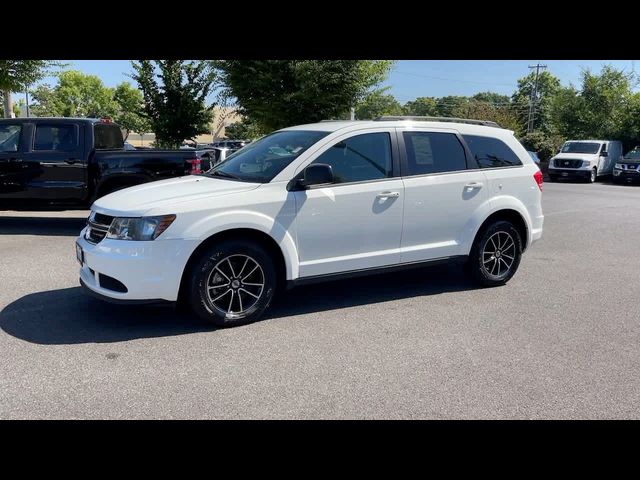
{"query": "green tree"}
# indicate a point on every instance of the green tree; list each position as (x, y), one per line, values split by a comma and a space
(451, 105)
(130, 114)
(422, 106)
(548, 88)
(19, 75)
(244, 129)
(281, 93)
(492, 98)
(175, 93)
(75, 95)
(602, 108)
(376, 104)
(544, 144)
(503, 115)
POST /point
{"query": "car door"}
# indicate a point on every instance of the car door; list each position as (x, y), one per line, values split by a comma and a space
(56, 163)
(443, 188)
(13, 137)
(355, 222)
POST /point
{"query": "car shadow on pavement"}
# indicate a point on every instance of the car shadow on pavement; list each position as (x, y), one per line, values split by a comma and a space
(52, 226)
(69, 316)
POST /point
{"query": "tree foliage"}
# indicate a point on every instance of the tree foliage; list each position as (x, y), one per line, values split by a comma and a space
(280, 93)
(244, 129)
(548, 88)
(376, 104)
(16, 75)
(130, 109)
(423, 107)
(175, 93)
(75, 95)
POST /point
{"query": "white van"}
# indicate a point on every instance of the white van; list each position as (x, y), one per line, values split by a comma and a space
(587, 159)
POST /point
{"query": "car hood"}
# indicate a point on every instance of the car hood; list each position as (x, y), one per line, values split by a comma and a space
(577, 156)
(166, 194)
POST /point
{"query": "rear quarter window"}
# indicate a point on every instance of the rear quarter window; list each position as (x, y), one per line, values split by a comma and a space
(491, 152)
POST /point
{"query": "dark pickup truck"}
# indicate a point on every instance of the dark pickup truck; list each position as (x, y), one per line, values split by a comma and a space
(73, 161)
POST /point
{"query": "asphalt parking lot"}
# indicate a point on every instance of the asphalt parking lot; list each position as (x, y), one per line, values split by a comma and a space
(561, 340)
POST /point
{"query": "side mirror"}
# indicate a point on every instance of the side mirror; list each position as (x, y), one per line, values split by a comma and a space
(604, 154)
(316, 174)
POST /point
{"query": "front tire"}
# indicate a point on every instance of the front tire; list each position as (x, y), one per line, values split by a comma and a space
(495, 255)
(232, 283)
(593, 175)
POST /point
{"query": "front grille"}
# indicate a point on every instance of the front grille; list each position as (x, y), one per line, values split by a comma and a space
(97, 227)
(567, 163)
(632, 167)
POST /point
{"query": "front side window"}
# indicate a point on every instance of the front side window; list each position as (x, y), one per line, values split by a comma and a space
(262, 160)
(10, 137)
(61, 138)
(360, 158)
(433, 152)
(491, 152)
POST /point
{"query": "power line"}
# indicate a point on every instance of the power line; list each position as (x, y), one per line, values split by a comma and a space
(453, 79)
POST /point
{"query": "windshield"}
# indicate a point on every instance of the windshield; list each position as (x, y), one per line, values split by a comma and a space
(580, 147)
(633, 155)
(262, 160)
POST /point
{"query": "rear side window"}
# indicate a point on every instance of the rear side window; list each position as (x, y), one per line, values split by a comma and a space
(61, 138)
(108, 137)
(491, 152)
(431, 152)
(10, 137)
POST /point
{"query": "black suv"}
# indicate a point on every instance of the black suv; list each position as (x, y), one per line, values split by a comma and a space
(627, 170)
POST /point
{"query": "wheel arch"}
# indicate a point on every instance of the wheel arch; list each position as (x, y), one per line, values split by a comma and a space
(284, 266)
(511, 215)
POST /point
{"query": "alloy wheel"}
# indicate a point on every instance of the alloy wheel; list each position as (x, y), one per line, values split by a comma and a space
(235, 284)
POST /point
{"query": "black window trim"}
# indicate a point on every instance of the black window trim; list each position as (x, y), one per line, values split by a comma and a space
(37, 125)
(395, 159)
(469, 158)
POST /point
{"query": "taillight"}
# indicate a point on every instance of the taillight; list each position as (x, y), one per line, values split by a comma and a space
(538, 178)
(195, 166)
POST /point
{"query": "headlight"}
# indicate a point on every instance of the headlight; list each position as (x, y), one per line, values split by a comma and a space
(140, 228)
(618, 166)
(586, 163)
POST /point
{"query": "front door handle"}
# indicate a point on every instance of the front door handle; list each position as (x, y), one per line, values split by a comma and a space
(473, 185)
(388, 195)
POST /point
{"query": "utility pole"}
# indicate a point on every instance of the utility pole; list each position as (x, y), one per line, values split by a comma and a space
(534, 97)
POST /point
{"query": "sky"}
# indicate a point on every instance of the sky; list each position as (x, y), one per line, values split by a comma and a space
(418, 78)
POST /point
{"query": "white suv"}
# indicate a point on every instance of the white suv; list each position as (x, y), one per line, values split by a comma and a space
(315, 202)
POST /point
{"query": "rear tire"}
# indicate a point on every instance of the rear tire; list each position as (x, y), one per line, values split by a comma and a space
(495, 255)
(232, 283)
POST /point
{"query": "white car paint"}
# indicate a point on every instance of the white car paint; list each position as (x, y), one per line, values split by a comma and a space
(603, 164)
(326, 230)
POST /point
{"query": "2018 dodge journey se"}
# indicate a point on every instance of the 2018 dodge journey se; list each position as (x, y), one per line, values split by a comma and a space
(314, 202)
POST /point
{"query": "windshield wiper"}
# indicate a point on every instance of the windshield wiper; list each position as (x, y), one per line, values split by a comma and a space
(220, 173)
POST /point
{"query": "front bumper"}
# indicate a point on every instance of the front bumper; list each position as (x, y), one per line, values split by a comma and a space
(150, 271)
(626, 176)
(569, 172)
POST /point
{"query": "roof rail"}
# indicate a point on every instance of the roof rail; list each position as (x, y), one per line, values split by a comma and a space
(486, 123)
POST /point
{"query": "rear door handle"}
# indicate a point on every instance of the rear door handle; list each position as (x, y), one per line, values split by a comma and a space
(71, 161)
(388, 195)
(473, 185)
